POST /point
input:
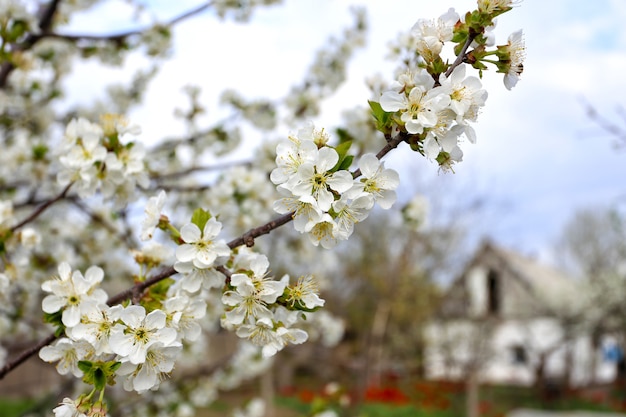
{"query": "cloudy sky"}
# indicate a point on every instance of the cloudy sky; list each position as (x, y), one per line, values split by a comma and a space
(538, 159)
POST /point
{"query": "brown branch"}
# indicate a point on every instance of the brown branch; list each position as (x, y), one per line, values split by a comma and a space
(125, 238)
(141, 286)
(391, 144)
(461, 56)
(118, 37)
(10, 365)
(45, 23)
(42, 208)
(184, 172)
(247, 239)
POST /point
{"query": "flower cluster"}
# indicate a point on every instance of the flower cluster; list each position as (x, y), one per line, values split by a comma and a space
(264, 310)
(199, 252)
(327, 201)
(434, 101)
(131, 341)
(439, 114)
(93, 157)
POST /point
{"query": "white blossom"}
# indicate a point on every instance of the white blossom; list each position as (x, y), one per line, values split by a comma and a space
(132, 338)
(314, 178)
(160, 359)
(68, 353)
(68, 408)
(517, 53)
(70, 290)
(200, 247)
(152, 215)
(378, 181)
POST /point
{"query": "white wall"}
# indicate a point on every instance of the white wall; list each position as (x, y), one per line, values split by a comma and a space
(453, 346)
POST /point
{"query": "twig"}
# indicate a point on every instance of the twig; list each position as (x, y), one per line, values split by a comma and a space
(10, 365)
(461, 56)
(185, 172)
(122, 35)
(619, 132)
(42, 208)
(245, 239)
(122, 237)
(45, 23)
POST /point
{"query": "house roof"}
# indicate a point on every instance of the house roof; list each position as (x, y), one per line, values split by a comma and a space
(551, 291)
(550, 286)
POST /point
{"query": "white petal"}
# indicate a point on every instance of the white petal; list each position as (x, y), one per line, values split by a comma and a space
(341, 181)
(211, 228)
(53, 303)
(190, 233)
(64, 271)
(155, 319)
(133, 315)
(391, 101)
(327, 159)
(186, 252)
(369, 165)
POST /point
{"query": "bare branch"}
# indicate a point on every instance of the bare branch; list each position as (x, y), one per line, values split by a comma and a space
(42, 208)
(461, 56)
(117, 37)
(188, 171)
(618, 132)
(10, 365)
(126, 239)
(45, 24)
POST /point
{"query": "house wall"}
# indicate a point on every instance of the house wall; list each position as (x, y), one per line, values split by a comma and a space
(454, 346)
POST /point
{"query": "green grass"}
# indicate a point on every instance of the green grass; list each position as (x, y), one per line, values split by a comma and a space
(14, 407)
(385, 410)
(432, 399)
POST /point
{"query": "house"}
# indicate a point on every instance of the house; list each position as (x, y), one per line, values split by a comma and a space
(514, 321)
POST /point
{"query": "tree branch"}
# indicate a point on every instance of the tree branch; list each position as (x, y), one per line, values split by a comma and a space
(188, 171)
(10, 365)
(42, 208)
(461, 56)
(245, 239)
(116, 37)
(45, 23)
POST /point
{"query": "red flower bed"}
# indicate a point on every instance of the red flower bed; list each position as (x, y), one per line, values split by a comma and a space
(389, 395)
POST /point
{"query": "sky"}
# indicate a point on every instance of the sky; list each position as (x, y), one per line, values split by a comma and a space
(539, 158)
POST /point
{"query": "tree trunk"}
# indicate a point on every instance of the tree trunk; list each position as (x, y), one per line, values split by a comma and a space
(471, 399)
(267, 392)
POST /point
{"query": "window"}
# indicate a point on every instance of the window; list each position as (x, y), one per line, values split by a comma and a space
(493, 291)
(519, 356)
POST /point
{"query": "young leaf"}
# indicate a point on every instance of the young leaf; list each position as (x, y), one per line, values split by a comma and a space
(383, 119)
(200, 217)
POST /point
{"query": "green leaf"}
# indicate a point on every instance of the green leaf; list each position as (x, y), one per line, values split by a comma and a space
(343, 148)
(85, 366)
(99, 379)
(156, 295)
(39, 152)
(55, 320)
(346, 163)
(383, 118)
(344, 159)
(99, 373)
(344, 135)
(200, 217)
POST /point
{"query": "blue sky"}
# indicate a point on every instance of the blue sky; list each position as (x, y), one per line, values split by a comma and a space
(538, 159)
